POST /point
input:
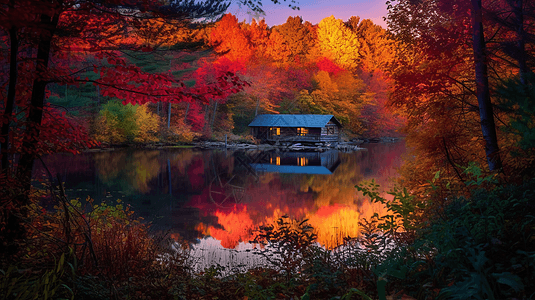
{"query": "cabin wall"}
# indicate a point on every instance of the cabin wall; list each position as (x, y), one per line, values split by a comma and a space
(330, 133)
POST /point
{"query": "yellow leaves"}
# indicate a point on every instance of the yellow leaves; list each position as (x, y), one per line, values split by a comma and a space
(104, 127)
(325, 83)
(147, 125)
(340, 95)
(337, 42)
(120, 123)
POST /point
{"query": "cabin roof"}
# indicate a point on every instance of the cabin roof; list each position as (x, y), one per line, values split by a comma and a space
(284, 120)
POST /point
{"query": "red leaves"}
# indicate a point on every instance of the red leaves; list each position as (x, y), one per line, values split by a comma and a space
(146, 49)
(217, 80)
(132, 85)
(325, 64)
(57, 133)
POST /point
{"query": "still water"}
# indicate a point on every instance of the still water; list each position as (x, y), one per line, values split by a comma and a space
(216, 199)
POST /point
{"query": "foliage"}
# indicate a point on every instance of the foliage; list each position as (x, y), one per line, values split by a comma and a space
(182, 133)
(477, 246)
(405, 211)
(495, 228)
(338, 42)
(286, 244)
(23, 284)
(116, 123)
(517, 97)
(120, 123)
(147, 125)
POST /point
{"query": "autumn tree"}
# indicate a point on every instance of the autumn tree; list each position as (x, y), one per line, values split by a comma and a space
(377, 49)
(337, 42)
(258, 35)
(291, 40)
(229, 39)
(451, 44)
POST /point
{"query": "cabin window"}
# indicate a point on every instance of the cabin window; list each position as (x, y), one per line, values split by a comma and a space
(330, 130)
(301, 131)
(276, 161)
(275, 130)
(302, 161)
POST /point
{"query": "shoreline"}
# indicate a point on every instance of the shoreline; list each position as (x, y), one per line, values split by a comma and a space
(346, 146)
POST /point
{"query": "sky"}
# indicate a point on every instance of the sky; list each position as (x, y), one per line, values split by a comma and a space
(315, 10)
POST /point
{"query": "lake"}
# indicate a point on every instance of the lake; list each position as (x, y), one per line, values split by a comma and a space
(216, 199)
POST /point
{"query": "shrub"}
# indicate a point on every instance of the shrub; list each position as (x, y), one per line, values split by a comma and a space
(120, 123)
(475, 246)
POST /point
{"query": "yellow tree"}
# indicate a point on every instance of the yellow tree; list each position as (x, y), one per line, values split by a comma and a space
(342, 95)
(337, 42)
(148, 125)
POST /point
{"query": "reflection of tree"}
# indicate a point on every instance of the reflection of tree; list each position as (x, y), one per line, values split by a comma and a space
(334, 223)
(330, 202)
(237, 227)
(131, 171)
(338, 188)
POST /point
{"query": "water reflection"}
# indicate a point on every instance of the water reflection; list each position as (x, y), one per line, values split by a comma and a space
(320, 163)
(226, 195)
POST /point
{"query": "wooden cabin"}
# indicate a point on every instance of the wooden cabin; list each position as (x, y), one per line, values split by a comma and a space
(296, 128)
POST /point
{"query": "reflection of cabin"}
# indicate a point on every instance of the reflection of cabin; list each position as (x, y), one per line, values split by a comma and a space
(299, 162)
(296, 128)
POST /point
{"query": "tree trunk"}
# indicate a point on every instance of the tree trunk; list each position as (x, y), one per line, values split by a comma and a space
(186, 114)
(169, 116)
(169, 177)
(206, 116)
(521, 58)
(35, 114)
(10, 101)
(486, 115)
(213, 116)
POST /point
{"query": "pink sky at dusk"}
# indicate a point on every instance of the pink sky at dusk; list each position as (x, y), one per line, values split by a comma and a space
(315, 10)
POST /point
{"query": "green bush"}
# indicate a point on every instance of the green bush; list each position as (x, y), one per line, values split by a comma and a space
(477, 246)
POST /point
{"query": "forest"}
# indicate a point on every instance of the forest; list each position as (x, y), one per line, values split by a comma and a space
(453, 78)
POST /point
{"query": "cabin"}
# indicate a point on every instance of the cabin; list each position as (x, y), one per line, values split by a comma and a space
(296, 128)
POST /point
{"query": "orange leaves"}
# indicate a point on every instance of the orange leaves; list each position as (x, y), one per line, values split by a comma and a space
(157, 32)
(237, 227)
(290, 41)
(227, 38)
